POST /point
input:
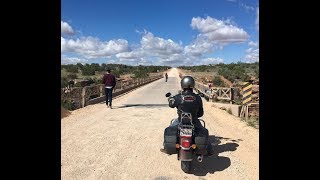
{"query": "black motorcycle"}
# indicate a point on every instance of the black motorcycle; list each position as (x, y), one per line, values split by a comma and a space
(185, 146)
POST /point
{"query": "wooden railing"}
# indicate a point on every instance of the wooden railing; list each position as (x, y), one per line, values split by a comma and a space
(219, 93)
(82, 96)
(211, 93)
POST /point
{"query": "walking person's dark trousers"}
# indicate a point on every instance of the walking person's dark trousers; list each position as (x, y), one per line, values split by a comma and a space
(108, 92)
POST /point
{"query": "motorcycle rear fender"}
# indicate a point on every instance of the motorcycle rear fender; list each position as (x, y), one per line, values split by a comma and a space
(186, 155)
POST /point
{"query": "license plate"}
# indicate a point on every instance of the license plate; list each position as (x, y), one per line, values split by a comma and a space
(185, 132)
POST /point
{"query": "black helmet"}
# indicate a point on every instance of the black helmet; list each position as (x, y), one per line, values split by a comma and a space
(187, 82)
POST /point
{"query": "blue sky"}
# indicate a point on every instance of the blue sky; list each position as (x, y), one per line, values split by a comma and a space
(166, 32)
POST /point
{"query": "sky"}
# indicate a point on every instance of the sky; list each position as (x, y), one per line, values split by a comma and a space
(166, 32)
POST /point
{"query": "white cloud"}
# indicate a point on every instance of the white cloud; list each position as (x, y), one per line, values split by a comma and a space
(253, 56)
(212, 61)
(249, 50)
(66, 29)
(174, 60)
(214, 34)
(206, 25)
(253, 44)
(252, 53)
(257, 19)
(136, 61)
(247, 7)
(145, 62)
(136, 54)
(159, 45)
(229, 34)
(151, 47)
(94, 48)
(72, 60)
(174, 63)
(199, 47)
(219, 31)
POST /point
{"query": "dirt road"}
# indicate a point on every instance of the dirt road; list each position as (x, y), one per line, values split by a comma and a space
(124, 142)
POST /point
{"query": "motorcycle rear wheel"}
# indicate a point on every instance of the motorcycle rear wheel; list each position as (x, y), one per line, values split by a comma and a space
(186, 166)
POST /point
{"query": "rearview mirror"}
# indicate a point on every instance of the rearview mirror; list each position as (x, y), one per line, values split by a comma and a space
(168, 94)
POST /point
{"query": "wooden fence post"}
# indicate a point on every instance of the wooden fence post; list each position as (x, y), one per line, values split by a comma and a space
(101, 90)
(247, 112)
(83, 97)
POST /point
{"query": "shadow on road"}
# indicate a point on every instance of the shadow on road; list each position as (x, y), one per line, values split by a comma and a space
(215, 162)
(140, 105)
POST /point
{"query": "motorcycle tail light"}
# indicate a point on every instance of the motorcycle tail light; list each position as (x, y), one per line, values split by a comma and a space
(185, 143)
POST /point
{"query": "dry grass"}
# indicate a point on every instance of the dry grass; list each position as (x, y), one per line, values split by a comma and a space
(64, 112)
(252, 121)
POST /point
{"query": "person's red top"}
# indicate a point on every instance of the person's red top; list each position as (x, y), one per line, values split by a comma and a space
(109, 80)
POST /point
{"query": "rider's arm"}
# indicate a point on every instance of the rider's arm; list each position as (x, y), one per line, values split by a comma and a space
(200, 111)
(173, 102)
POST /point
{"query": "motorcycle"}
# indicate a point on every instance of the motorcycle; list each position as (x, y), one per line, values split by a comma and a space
(186, 148)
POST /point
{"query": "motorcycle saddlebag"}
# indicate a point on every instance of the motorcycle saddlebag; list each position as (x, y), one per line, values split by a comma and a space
(170, 140)
(201, 141)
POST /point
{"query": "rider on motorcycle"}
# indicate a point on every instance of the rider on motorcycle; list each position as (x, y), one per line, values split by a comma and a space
(187, 101)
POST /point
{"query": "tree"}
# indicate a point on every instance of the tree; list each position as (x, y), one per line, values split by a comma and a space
(79, 65)
(103, 67)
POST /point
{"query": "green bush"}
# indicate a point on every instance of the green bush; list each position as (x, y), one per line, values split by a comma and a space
(140, 74)
(256, 71)
(117, 73)
(116, 69)
(71, 68)
(230, 71)
(97, 80)
(72, 76)
(64, 82)
(68, 105)
(217, 81)
(88, 71)
(79, 65)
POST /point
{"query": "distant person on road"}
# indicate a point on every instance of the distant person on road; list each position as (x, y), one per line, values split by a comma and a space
(109, 80)
(166, 76)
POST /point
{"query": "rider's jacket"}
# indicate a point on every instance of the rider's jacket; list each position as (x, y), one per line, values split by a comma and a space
(187, 101)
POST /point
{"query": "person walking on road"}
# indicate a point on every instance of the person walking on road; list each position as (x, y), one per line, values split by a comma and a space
(166, 75)
(109, 80)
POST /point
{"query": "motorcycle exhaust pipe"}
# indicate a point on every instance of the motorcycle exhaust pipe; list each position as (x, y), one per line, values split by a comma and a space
(200, 158)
